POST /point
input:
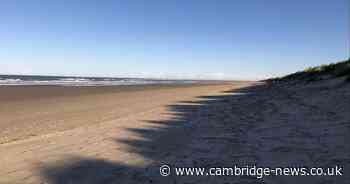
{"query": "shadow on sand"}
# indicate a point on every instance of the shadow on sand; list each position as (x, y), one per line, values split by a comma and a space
(209, 132)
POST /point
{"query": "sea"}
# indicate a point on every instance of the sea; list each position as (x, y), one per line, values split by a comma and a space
(40, 80)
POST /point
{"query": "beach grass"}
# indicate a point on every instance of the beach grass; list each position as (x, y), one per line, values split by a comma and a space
(317, 73)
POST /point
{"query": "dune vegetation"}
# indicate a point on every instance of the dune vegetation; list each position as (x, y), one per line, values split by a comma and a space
(317, 73)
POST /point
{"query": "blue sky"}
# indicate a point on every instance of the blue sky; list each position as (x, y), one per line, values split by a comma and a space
(241, 39)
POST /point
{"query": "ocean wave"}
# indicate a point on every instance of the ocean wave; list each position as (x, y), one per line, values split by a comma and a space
(74, 80)
(5, 81)
(81, 81)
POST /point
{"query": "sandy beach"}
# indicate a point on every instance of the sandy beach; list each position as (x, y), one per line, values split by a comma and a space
(175, 92)
(29, 111)
(73, 135)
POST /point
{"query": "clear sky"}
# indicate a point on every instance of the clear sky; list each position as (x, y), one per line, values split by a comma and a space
(218, 39)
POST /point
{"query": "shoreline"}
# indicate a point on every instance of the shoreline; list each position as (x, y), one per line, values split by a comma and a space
(23, 92)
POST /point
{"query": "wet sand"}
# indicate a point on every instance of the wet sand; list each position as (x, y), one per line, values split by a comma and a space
(126, 140)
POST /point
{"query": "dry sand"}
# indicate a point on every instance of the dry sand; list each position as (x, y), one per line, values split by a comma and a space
(123, 135)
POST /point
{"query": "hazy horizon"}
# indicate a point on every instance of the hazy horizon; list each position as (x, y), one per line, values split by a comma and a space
(240, 40)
